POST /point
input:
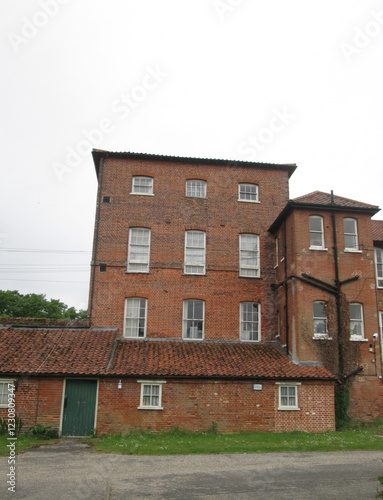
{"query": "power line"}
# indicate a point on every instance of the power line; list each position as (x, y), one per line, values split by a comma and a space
(48, 281)
(42, 250)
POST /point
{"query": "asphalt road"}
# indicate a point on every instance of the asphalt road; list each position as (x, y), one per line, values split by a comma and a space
(70, 471)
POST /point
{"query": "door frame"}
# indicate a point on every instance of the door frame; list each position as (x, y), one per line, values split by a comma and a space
(63, 400)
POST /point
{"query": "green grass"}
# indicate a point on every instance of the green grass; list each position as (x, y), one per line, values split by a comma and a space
(23, 442)
(179, 442)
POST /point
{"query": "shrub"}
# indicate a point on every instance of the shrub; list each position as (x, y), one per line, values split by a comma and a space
(41, 432)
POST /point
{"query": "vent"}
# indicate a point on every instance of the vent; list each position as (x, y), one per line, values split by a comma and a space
(106, 199)
(102, 268)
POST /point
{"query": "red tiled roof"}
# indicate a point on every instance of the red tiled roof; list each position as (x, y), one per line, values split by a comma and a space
(75, 352)
(321, 198)
(377, 230)
(89, 352)
(208, 359)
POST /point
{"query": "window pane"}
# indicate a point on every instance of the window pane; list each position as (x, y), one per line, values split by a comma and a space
(195, 253)
(143, 185)
(139, 250)
(248, 192)
(316, 224)
(135, 316)
(196, 188)
(316, 231)
(193, 319)
(3, 393)
(350, 234)
(249, 326)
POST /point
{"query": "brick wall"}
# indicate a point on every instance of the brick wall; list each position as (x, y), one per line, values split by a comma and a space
(233, 405)
(169, 213)
(37, 401)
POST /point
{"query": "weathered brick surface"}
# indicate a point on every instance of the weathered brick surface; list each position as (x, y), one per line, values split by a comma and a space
(169, 213)
(320, 264)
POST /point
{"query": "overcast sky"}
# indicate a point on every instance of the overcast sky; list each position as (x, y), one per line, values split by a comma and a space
(263, 80)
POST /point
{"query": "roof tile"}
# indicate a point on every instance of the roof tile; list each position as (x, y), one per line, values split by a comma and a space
(321, 198)
(377, 230)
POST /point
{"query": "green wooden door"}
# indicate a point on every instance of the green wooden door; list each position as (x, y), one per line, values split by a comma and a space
(79, 407)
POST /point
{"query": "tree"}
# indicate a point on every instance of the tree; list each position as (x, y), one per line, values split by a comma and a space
(15, 305)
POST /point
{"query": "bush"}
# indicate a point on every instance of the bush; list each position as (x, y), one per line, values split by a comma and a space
(41, 432)
(342, 402)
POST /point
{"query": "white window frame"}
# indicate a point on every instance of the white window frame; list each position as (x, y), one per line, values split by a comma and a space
(196, 188)
(379, 267)
(321, 232)
(354, 234)
(139, 318)
(288, 385)
(244, 267)
(136, 185)
(5, 382)
(242, 331)
(193, 266)
(131, 268)
(151, 384)
(318, 319)
(381, 333)
(242, 193)
(360, 321)
(186, 319)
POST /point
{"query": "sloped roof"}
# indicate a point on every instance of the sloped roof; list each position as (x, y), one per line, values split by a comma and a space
(99, 154)
(100, 352)
(323, 201)
(321, 198)
(377, 230)
(208, 359)
(44, 351)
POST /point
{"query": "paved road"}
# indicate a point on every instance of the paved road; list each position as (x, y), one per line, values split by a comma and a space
(70, 471)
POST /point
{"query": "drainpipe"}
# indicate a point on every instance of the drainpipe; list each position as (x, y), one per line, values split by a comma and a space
(95, 242)
(286, 286)
(337, 285)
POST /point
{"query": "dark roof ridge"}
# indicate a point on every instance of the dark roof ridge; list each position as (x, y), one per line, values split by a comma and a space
(100, 153)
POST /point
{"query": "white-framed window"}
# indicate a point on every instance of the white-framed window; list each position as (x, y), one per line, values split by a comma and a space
(379, 267)
(316, 232)
(288, 396)
(4, 391)
(195, 252)
(151, 395)
(142, 185)
(320, 319)
(276, 253)
(193, 319)
(248, 192)
(135, 317)
(196, 188)
(250, 321)
(249, 255)
(356, 322)
(350, 234)
(139, 250)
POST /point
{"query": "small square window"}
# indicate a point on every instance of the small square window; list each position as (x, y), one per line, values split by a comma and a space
(102, 268)
(106, 199)
(248, 192)
(196, 188)
(151, 396)
(142, 185)
(288, 397)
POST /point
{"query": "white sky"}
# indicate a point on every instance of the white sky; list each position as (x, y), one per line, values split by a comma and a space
(226, 69)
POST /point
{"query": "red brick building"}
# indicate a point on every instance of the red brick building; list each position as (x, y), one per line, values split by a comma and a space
(213, 299)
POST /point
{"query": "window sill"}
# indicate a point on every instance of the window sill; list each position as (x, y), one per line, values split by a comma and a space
(321, 336)
(358, 339)
(248, 201)
(124, 337)
(319, 249)
(288, 408)
(149, 408)
(351, 250)
(190, 339)
(196, 197)
(194, 274)
(250, 341)
(142, 194)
